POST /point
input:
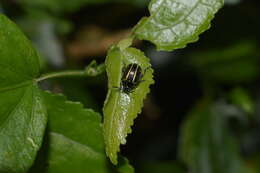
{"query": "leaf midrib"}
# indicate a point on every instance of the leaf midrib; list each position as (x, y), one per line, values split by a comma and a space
(113, 112)
(86, 147)
(16, 86)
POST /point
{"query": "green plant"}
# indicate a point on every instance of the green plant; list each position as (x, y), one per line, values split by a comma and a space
(75, 137)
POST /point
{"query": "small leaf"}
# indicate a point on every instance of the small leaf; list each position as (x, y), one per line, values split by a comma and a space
(76, 141)
(175, 23)
(125, 43)
(22, 112)
(206, 145)
(121, 109)
(93, 69)
(124, 166)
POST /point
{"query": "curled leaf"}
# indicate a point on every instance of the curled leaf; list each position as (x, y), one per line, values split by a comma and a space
(120, 108)
(93, 69)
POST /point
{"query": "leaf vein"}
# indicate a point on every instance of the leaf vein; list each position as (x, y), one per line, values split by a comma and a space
(17, 86)
(86, 147)
(9, 115)
(181, 19)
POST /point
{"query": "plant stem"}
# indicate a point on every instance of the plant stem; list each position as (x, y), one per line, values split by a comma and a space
(62, 74)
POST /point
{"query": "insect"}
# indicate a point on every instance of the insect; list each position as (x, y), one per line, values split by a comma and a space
(132, 75)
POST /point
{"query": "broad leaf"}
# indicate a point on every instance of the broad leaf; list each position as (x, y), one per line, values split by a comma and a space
(175, 23)
(75, 141)
(22, 113)
(206, 145)
(120, 108)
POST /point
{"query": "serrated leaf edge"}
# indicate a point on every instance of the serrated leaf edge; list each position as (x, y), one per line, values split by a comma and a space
(131, 123)
(66, 101)
(192, 39)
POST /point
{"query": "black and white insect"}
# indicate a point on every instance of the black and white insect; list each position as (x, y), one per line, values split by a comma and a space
(131, 78)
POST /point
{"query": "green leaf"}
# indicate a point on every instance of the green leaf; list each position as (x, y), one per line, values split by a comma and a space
(175, 23)
(77, 90)
(124, 166)
(93, 69)
(22, 112)
(206, 145)
(120, 109)
(75, 139)
(19, 61)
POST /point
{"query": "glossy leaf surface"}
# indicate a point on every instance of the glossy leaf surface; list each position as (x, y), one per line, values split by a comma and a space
(120, 108)
(22, 112)
(173, 24)
(75, 139)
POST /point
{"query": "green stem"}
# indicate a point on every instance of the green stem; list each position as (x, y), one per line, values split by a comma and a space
(90, 71)
(62, 74)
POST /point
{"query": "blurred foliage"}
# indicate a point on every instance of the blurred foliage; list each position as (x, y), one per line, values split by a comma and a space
(241, 98)
(165, 167)
(210, 145)
(253, 164)
(232, 64)
(60, 6)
